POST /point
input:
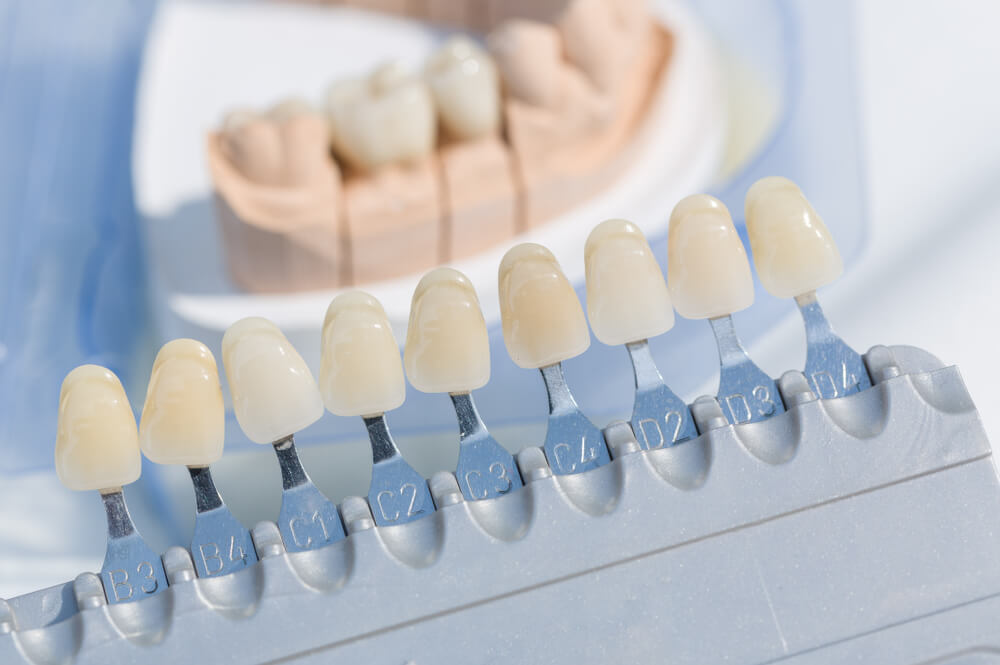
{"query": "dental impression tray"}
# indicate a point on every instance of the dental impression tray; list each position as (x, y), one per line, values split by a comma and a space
(844, 518)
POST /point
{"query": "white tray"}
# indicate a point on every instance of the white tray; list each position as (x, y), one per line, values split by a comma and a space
(204, 59)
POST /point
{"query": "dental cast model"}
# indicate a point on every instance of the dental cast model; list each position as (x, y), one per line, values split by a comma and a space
(627, 303)
(448, 351)
(97, 448)
(709, 278)
(361, 375)
(795, 255)
(550, 109)
(274, 396)
(279, 198)
(543, 325)
(183, 422)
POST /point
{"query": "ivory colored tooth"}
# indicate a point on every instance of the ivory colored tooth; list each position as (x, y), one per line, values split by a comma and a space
(183, 419)
(97, 445)
(707, 268)
(274, 393)
(466, 89)
(447, 346)
(627, 297)
(543, 321)
(792, 248)
(252, 143)
(360, 371)
(385, 119)
(529, 57)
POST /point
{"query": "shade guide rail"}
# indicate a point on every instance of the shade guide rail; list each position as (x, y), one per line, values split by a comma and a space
(447, 351)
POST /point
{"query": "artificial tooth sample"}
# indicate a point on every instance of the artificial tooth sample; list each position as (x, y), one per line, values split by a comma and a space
(627, 303)
(183, 418)
(466, 90)
(448, 350)
(274, 395)
(361, 375)
(795, 254)
(97, 448)
(384, 119)
(543, 325)
(278, 198)
(792, 249)
(183, 422)
(627, 297)
(709, 278)
(543, 322)
(447, 346)
(708, 271)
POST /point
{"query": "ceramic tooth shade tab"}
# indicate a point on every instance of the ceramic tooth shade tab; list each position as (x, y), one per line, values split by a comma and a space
(361, 375)
(448, 351)
(709, 278)
(274, 396)
(543, 325)
(183, 422)
(795, 254)
(627, 303)
(97, 448)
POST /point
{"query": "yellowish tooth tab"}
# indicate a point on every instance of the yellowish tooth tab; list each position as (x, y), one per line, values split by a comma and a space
(627, 297)
(792, 248)
(183, 419)
(360, 371)
(97, 445)
(707, 267)
(274, 393)
(543, 321)
(447, 346)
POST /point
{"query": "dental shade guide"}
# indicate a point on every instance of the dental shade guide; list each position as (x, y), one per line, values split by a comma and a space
(97, 448)
(448, 350)
(627, 303)
(183, 422)
(709, 278)
(888, 495)
(274, 396)
(805, 259)
(361, 375)
(543, 325)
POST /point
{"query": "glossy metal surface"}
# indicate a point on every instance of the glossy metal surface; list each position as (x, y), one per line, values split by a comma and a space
(485, 469)
(573, 444)
(221, 544)
(659, 417)
(131, 570)
(397, 494)
(308, 519)
(746, 393)
(833, 368)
